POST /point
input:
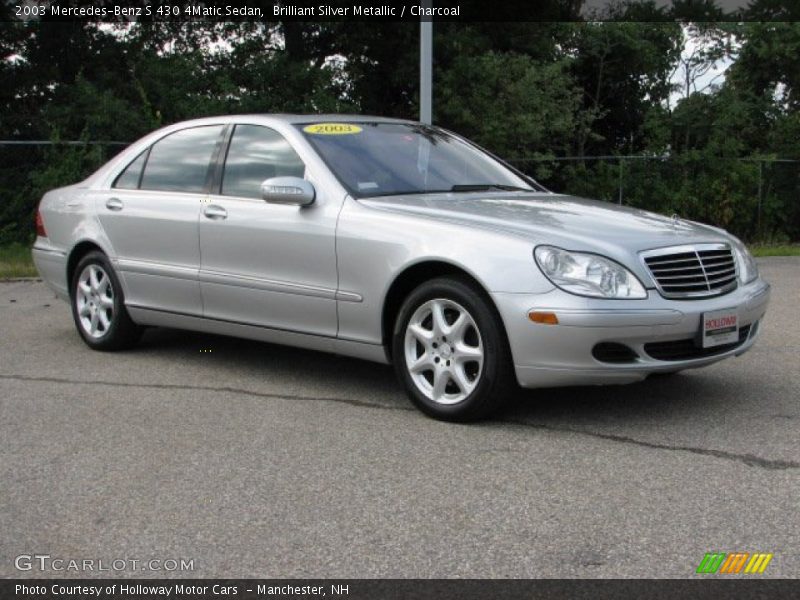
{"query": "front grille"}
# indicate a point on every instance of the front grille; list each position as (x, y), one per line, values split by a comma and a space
(692, 271)
(687, 349)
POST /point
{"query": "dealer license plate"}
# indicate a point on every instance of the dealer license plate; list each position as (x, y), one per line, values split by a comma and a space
(720, 327)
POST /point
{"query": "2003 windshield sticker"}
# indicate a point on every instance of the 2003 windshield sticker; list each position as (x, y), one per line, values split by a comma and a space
(332, 129)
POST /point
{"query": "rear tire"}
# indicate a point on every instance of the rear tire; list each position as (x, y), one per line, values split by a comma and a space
(98, 305)
(451, 353)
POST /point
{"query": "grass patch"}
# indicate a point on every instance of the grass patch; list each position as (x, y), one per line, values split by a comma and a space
(16, 261)
(779, 250)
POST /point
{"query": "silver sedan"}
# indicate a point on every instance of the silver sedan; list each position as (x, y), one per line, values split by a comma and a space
(395, 242)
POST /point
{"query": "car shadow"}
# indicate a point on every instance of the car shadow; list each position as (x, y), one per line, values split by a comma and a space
(658, 399)
(337, 373)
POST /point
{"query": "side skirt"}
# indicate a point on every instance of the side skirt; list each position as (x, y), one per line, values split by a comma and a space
(354, 349)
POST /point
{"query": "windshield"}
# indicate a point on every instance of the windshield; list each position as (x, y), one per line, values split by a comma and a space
(379, 159)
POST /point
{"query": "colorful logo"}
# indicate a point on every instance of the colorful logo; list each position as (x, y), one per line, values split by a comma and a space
(734, 562)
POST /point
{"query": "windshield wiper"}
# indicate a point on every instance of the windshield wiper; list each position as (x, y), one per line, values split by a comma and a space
(470, 187)
(481, 187)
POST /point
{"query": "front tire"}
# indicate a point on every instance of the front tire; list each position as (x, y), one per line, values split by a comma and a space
(98, 305)
(451, 353)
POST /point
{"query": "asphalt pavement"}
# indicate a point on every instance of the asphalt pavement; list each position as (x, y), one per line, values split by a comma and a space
(256, 460)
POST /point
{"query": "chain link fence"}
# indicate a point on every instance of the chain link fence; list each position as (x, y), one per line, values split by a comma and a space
(31, 167)
(755, 198)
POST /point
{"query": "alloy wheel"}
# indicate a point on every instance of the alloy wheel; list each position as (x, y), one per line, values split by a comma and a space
(443, 351)
(94, 298)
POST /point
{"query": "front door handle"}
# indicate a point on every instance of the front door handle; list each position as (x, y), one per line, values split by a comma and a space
(212, 211)
(114, 204)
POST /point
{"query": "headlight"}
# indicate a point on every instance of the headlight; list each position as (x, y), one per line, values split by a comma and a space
(748, 269)
(588, 274)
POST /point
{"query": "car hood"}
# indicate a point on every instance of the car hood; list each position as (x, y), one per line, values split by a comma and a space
(572, 222)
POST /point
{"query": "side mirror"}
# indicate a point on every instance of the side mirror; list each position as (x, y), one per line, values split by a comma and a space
(288, 190)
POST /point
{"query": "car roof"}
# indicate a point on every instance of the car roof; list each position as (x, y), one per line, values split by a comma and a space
(319, 118)
(289, 118)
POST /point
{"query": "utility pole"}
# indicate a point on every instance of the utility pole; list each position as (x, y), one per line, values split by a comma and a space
(760, 197)
(426, 66)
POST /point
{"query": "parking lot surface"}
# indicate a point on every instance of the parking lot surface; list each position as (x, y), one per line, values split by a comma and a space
(255, 460)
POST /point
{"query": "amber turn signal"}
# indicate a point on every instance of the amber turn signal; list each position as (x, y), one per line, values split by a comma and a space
(545, 318)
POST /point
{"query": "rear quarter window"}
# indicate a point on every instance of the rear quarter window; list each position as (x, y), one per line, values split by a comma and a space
(129, 178)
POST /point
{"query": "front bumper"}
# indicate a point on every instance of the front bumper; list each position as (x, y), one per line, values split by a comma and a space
(558, 355)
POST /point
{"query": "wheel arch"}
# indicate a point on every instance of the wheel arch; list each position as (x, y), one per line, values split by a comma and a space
(413, 276)
(78, 251)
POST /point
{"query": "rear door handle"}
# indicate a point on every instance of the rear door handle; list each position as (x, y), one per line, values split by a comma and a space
(212, 211)
(114, 204)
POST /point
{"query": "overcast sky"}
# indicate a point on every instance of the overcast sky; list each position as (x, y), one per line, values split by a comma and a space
(714, 76)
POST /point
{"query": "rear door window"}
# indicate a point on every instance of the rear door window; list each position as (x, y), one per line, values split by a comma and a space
(180, 161)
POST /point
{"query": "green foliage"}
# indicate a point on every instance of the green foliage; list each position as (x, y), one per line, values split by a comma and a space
(781, 250)
(528, 91)
(16, 261)
(623, 70)
(57, 165)
(509, 103)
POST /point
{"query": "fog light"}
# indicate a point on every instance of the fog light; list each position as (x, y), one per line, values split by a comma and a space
(544, 318)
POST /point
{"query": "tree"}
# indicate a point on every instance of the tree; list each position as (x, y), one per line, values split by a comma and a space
(510, 103)
(623, 69)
